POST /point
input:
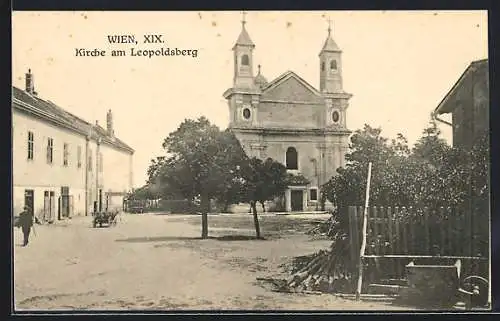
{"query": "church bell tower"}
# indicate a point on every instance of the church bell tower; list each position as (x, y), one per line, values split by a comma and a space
(244, 95)
(330, 83)
(330, 66)
(243, 59)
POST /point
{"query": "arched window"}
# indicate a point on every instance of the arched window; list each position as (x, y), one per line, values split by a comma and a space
(291, 158)
(323, 66)
(244, 60)
(333, 65)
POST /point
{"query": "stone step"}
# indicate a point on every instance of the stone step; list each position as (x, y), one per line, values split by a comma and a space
(400, 282)
(385, 288)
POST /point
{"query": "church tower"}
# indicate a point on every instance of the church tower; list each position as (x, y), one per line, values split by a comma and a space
(243, 59)
(330, 83)
(330, 66)
(244, 95)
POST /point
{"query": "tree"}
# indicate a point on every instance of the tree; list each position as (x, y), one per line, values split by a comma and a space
(261, 181)
(146, 192)
(430, 147)
(431, 174)
(201, 163)
(367, 145)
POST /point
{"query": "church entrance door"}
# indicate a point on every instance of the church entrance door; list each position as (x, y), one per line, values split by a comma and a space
(297, 200)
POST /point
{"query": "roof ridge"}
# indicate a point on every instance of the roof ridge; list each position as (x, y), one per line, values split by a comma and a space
(65, 117)
(290, 73)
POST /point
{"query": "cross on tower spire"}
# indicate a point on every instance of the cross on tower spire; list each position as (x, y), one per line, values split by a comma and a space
(243, 21)
(329, 26)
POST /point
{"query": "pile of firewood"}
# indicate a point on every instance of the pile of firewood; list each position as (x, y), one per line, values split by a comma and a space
(325, 228)
(324, 271)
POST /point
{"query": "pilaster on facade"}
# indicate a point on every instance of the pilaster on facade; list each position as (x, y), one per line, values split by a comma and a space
(258, 149)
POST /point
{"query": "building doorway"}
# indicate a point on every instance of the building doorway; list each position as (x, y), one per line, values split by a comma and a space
(65, 202)
(49, 206)
(297, 200)
(29, 200)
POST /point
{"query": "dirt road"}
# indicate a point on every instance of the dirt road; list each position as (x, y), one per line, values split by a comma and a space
(157, 262)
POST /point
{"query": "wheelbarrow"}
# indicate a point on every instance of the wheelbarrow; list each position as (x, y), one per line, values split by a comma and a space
(444, 286)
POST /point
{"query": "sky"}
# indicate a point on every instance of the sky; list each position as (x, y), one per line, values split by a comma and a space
(398, 65)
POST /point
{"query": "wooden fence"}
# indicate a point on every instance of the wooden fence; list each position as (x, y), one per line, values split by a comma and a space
(394, 232)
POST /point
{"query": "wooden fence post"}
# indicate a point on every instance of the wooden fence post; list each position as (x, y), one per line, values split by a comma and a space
(449, 229)
(442, 231)
(405, 231)
(411, 231)
(427, 233)
(390, 239)
(374, 224)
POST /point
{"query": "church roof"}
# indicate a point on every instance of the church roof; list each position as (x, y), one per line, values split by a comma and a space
(330, 45)
(244, 38)
(287, 75)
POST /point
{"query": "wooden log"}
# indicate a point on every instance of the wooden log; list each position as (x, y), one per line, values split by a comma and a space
(298, 276)
(311, 263)
(324, 264)
(316, 268)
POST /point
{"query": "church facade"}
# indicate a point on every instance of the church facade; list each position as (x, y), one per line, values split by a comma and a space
(291, 121)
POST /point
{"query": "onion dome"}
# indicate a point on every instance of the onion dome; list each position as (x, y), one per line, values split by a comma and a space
(260, 80)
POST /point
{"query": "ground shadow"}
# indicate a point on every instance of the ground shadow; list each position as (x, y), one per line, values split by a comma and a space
(239, 238)
(147, 239)
(181, 214)
(172, 214)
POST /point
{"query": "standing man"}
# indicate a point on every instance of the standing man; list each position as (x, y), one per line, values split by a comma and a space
(26, 222)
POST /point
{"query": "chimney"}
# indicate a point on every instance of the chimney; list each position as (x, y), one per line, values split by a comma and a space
(30, 87)
(109, 123)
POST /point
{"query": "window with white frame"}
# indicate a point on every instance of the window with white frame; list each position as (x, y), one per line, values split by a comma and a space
(31, 145)
(65, 154)
(50, 150)
(79, 156)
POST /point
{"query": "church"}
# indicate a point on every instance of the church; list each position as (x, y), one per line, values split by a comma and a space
(291, 121)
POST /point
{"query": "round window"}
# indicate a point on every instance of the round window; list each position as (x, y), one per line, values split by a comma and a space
(335, 116)
(246, 113)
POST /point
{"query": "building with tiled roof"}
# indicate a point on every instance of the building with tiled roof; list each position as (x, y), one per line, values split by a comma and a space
(291, 121)
(468, 102)
(63, 165)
